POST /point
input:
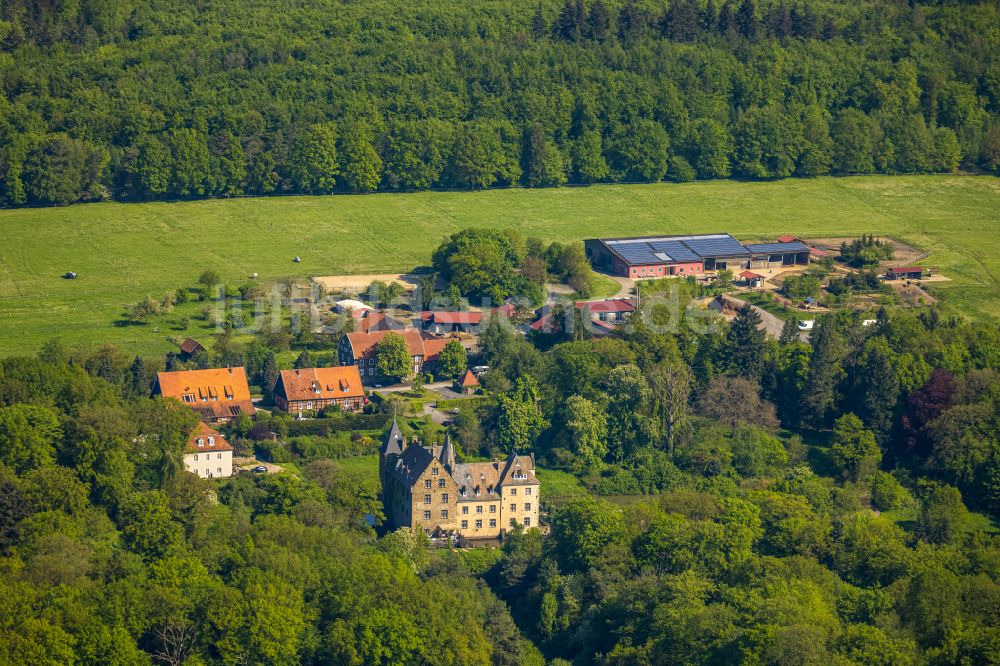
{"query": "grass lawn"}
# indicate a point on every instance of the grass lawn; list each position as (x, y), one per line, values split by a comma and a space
(360, 466)
(604, 287)
(123, 252)
(557, 483)
(775, 308)
(975, 522)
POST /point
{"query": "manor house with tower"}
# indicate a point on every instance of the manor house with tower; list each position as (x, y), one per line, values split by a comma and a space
(424, 486)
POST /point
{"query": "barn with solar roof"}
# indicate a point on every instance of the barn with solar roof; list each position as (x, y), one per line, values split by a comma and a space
(647, 257)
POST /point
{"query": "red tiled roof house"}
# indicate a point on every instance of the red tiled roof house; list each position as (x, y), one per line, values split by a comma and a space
(217, 394)
(208, 454)
(309, 389)
(359, 348)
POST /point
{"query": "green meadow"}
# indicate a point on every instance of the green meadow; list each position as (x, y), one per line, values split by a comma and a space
(123, 252)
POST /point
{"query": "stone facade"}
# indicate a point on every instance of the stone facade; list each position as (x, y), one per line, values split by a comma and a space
(425, 487)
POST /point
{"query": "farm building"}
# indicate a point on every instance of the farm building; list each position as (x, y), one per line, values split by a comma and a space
(372, 320)
(190, 347)
(751, 279)
(602, 316)
(217, 394)
(646, 257)
(315, 388)
(442, 322)
(611, 310)
(360, 348)
(904, 273)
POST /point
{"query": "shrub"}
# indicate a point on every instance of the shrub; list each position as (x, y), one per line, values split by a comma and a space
(888, 493)
(272, 451)
(619, 482)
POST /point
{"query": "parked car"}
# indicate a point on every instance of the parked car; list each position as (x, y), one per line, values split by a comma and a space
(806, 324)
(259, 469)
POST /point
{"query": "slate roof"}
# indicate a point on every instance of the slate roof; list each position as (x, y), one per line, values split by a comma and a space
(393, 442)
(483, 477)
(412, 463)
(519, 471)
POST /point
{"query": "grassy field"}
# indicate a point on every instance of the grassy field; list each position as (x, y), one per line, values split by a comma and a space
(123, 252)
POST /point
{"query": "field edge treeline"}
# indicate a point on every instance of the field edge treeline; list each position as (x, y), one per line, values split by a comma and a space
(139, 103)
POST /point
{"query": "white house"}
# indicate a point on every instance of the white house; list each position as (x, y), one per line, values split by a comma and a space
(208, 454)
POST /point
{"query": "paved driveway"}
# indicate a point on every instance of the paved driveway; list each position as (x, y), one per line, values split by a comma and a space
(771, 323)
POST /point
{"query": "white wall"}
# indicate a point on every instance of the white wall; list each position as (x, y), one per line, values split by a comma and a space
(209, 463)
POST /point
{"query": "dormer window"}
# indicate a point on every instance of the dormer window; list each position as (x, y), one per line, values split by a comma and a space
(201, 441)
(211, 441)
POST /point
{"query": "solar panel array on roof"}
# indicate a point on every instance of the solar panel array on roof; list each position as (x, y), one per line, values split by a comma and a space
(680, 249)
(717, 247)
(677, 250)
(777, 248)
(637, 254)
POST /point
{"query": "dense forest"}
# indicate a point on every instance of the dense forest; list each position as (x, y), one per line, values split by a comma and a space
(175, 99)
(740, 500)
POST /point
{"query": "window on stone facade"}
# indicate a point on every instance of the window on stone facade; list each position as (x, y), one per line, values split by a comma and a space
(527, 506)
(440, 483)
(479, 509)
(444, 498)
(513, 507)
(465, 524)
(527, 491)
(513, 522)
(427, 483)
(427, 515)
(513, 491)
(218, 470)
(427, 499)
(196, 457)
(527, 521)
(444, 514)
(493, 522)
(493, 508)
(465, 510)
(479, 524)
(434, 471)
